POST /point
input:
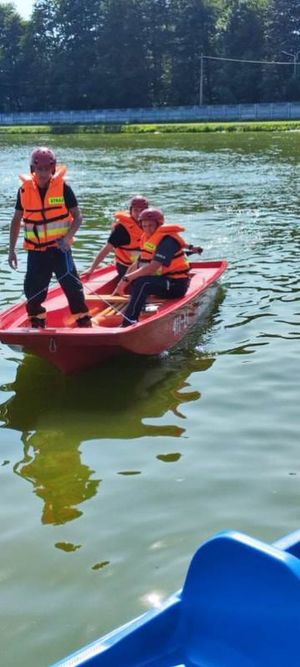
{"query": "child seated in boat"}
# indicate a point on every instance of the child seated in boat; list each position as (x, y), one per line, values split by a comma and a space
(162, 269)
(125, 237)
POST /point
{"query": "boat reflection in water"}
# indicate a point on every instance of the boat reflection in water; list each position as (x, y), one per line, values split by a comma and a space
(57, 414)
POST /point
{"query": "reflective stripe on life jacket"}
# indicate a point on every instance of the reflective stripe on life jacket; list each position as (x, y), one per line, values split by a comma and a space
(44, 221)
(179, 266)
(127, 254)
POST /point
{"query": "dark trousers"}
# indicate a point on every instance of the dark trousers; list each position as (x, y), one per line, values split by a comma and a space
(160, 286)
(40, 267)
(122, 269)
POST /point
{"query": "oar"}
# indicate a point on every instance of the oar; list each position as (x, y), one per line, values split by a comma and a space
(104, 316)
(108, 311)
(114, 298)
(109, 300)
(105, 299)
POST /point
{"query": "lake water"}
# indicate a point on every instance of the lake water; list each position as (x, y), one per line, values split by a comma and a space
(109, 480)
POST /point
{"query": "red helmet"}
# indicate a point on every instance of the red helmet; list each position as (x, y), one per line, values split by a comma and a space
(153, 214)
(138, 202)
(43, 157)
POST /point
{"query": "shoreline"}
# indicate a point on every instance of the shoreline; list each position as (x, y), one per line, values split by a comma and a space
(154, 128)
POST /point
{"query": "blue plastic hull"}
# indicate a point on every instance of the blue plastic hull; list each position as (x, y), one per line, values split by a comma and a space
(239, 607)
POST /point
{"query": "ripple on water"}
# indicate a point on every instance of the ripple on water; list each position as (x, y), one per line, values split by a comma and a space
(110, 480)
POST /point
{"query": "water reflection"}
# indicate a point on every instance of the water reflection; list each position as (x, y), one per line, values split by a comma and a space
(56, 414)
(57, 474)
(110, 402)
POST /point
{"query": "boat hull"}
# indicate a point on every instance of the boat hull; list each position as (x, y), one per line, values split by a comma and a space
(71, 349)
(239, 607)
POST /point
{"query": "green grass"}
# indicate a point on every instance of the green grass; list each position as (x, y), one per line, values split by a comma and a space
(159, 128)
(247, 126)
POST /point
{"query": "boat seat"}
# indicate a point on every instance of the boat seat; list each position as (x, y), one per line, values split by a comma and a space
(241, 605)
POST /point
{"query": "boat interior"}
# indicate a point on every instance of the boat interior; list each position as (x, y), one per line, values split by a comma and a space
(106, 308)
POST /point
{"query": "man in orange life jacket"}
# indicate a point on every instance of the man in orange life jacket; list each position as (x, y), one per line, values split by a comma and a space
(162, 268)
(125, 237)
(51, 218)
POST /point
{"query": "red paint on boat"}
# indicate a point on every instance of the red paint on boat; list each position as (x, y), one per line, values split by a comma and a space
(72, 349)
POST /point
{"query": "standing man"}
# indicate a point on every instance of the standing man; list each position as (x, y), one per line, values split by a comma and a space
(51, 218)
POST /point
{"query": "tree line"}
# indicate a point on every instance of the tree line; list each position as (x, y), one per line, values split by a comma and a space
(142, 53)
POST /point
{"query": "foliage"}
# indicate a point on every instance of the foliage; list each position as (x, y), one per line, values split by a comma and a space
(138, 53)
(282, 33)
(12, 31)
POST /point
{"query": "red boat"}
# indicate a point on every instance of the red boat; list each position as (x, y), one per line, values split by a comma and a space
(163, 323)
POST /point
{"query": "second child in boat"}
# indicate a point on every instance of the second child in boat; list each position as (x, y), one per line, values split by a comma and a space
(125, 237)
(162, 269)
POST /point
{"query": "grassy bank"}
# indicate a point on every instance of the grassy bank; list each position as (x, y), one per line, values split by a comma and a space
(161, 128)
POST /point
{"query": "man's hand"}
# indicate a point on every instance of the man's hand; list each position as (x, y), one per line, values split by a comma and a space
(120, 289)
(86, 274)
(12, 259)
(13, 237)
(192, 249)
(64, 244)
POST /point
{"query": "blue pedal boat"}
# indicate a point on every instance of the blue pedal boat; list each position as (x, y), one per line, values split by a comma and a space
(239, 607)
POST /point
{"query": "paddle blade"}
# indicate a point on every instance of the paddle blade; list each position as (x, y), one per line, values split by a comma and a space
(108, 321)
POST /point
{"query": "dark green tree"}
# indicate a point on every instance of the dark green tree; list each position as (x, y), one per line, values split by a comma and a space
(40, 48)
(12, 31)
(240, 36)
(123, 76)
(282, 28)
(133, 53)
(158, 46)
(78, 28)
(192, 36)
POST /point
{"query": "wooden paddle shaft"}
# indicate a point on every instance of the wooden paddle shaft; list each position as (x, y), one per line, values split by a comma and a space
(107, 297)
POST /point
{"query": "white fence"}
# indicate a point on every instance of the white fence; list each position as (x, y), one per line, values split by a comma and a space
(209, 113)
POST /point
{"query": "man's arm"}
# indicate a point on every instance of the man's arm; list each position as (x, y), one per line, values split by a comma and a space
(165, 251)
(77, 220)
(13, 237)
(149, 269)
(118, 237)
(101, 255)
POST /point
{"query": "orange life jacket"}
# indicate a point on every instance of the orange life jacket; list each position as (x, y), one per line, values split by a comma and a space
(127, 254)
(44, 222)
(179, 266)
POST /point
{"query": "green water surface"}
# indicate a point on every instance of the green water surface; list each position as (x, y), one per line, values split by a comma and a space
(110, 479)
